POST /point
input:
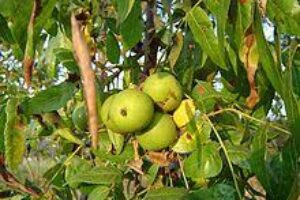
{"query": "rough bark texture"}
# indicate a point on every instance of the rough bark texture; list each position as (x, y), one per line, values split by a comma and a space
(82, 56)
(151, 41)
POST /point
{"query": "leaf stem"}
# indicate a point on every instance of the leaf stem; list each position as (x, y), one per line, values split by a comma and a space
(183, 174)
(62, 166)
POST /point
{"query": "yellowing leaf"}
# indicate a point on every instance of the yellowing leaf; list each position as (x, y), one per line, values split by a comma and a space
(176, 49)
(249, 56)
(185, 144)
(184, 113)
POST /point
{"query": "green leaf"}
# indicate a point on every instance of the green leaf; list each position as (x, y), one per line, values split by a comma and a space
(151, 174)
(267, 60)
(124, 157)
(203, 33)
(204, 163)
(19, 13)
(203, 129)
(49, 100)
(44, 16)
(238, 155)
(166, 193)
(131, 29)
(67, 134)
(176, 49)
(185, 144)
(258, 155)
(55, 46)
(244, 18)
(232, 58)
(14, 136)
(205, 96)
(66, 58)
(217, 192)
(99, 193)
(97, 175)
(2, 128)
(5, 33)
(220, 10)
(286, 15)
(124, 7)
(112, 48)
(76, 166)
(58, 180)
(117, 140)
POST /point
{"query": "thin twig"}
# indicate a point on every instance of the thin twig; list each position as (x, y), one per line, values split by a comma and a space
(248, 117)
(183, 174)
(11, 181)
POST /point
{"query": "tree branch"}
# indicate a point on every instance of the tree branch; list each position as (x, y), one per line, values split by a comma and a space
(12, 182)
(82, 55)
(151, 41)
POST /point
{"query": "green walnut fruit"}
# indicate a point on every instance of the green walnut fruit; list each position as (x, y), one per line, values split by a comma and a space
(160, 134)
(105, 110)
(164, 89)
(79, 116)
(130, 110)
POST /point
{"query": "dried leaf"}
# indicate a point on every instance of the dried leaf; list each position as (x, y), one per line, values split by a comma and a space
(161, 158)
(262, 6)
(250, 57)
(176, 49)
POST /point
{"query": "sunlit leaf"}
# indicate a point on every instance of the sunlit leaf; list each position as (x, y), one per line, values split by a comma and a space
(185, 144)
(286, 15)
(166, 193)
(124, 7)
(49, 100)
(99, 193)
(203, 33)
(97, 175)
(205, 162)
(117, 140)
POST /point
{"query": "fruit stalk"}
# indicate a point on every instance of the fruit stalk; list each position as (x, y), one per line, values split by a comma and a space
(82, 56)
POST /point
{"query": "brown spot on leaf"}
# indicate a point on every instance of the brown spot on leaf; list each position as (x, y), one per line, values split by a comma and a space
(250, 57)
(201, 89)
(188, 136)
